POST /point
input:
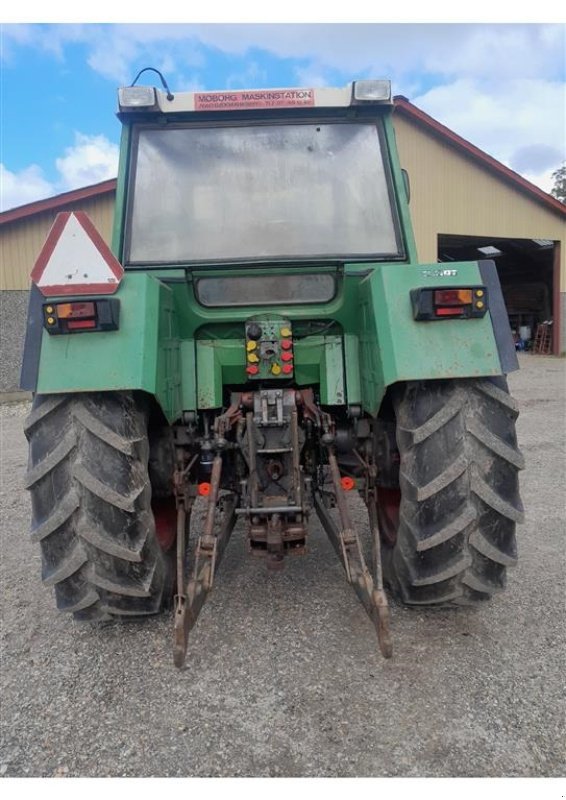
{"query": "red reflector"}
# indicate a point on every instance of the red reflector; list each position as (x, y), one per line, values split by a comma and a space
(204, 489)
(347, 483)
(449, 312)
(452, 297)
(74, 310)
(81, 324)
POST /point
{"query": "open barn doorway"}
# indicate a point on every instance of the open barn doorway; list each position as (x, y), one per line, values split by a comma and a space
(529, 273)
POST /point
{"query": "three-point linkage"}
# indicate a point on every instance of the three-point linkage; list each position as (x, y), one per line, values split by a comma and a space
(268, 438)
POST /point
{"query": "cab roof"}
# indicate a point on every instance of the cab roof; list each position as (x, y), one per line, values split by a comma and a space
(148, 99)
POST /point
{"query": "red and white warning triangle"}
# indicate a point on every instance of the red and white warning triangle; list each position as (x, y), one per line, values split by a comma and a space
(75, 259)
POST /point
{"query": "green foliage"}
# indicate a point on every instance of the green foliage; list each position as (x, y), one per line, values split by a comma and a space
(559, 188)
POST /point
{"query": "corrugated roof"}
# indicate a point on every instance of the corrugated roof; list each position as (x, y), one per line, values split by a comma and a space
(59, 201)
(402, 105)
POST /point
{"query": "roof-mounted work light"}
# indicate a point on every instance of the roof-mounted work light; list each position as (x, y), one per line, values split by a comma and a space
(143, 97)
(136, 97)
(371, 91)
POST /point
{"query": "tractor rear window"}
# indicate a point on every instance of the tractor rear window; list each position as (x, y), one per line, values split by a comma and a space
(265, 290)
(259, 192)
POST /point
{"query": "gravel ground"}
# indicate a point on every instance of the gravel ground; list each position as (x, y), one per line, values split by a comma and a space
(284, 677)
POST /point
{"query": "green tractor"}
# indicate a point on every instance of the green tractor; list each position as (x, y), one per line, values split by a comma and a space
(263, 337)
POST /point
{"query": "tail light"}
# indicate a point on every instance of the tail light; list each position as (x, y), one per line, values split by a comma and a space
(453, 297)
(75, 317)
(449, 303)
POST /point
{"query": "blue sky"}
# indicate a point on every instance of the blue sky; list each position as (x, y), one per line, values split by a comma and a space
(501, 86)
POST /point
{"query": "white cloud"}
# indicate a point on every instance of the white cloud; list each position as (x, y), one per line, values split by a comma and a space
(389, 50)
(499, 52)
(91, 159)
(14, 36)
(191, 83)
(535, 158)
(114, 60)
(311, 76)
(19, 188)
(113, 51)
(252, 75)
(543, 179)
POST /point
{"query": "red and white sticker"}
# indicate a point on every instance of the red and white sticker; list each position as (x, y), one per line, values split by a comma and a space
(261, 98)
(75, 259)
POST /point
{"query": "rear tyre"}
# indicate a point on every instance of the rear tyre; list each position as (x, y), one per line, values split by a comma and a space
(460, 503)
(91, 505)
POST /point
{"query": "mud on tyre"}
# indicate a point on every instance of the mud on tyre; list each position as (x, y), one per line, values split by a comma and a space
(460, 503)
(91, 504)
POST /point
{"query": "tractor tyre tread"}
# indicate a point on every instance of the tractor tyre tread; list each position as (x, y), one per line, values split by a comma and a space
(460, 503)
(91, 504)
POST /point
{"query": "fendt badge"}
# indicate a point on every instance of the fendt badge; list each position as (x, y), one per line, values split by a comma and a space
(439, 273)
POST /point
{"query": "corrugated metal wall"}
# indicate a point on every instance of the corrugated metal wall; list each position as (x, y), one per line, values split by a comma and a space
(21, 241)
(453, 194)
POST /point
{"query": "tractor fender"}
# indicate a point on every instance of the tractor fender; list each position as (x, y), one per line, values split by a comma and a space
(395, 347)
(144, 353)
